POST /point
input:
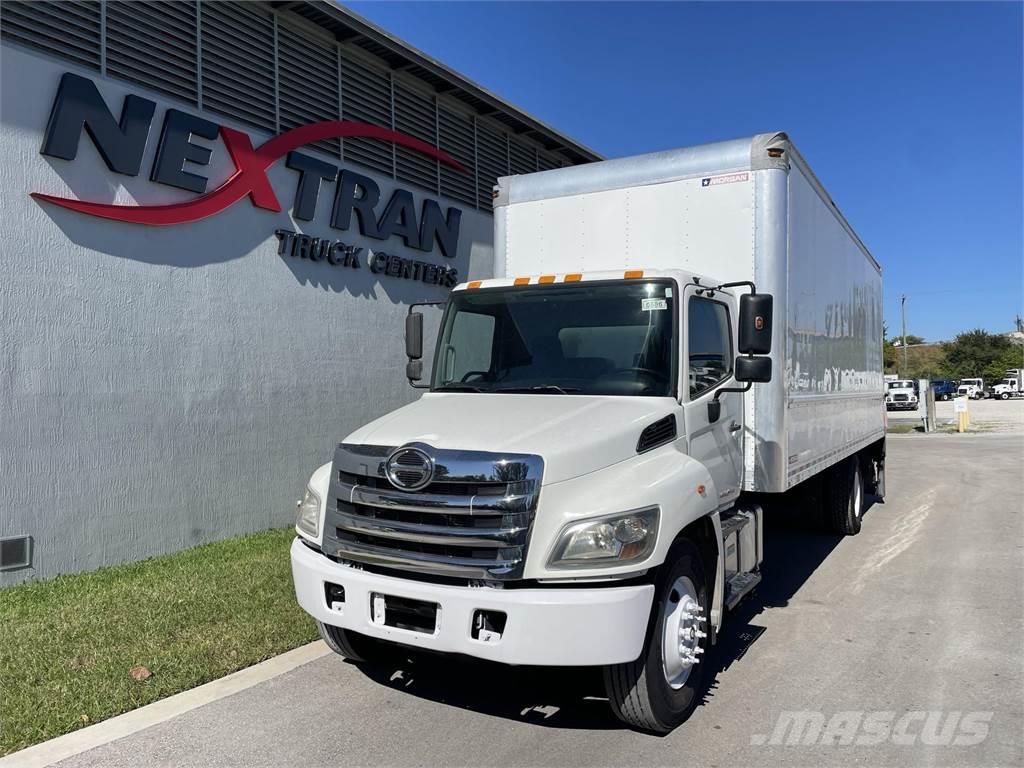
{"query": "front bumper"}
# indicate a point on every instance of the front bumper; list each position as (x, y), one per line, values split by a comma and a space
(901, 406)
(545, 627)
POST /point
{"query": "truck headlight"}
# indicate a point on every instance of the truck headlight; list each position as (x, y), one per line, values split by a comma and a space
(610, 540)
(307, 514)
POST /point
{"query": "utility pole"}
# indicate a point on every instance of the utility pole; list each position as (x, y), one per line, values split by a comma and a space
(903, 313)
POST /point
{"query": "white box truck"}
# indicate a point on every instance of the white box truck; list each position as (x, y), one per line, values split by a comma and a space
(670, 342)
(1012, 385)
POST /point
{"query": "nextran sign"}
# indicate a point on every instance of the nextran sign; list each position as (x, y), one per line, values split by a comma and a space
(357, 198)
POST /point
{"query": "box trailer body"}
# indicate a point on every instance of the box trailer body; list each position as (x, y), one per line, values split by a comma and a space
(732, 211)
(670, 344)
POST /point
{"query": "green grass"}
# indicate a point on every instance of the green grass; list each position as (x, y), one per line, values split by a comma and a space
(67, 645)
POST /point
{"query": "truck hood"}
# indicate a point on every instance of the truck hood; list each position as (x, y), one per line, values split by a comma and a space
(574, 434)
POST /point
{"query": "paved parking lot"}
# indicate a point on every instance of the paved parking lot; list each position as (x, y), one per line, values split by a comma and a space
(988, 415)
(915, 624)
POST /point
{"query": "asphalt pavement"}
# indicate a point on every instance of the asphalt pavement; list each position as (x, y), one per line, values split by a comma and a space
(900, 646)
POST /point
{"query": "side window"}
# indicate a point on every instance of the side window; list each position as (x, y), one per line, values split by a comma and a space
(473, 335)
(710, 343)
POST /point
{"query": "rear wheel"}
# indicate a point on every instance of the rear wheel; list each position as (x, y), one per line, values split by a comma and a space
(662, 687)
(353, 646)
(845, 497)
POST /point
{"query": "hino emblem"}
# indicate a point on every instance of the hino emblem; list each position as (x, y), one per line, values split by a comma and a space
(410, 469)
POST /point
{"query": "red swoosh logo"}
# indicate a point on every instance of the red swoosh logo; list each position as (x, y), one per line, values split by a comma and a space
(250, 176)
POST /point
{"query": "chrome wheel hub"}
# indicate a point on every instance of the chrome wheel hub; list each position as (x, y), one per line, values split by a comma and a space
(682, 630)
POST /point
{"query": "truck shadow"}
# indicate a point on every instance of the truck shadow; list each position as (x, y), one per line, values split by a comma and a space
(573, 698)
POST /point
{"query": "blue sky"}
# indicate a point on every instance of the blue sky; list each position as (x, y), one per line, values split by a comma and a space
(910, 113)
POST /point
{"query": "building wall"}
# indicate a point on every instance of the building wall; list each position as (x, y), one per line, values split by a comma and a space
(161, 387)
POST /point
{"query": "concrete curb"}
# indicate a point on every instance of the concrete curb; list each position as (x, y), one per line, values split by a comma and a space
(62, 747)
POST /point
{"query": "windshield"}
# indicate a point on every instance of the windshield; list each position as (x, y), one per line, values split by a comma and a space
(900, 385)
(593, 338)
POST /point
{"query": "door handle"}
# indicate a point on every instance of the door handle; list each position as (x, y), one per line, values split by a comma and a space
(734, 427)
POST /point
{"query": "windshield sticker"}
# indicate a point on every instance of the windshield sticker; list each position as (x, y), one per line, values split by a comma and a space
(648, 305)
(668, 293)
(729, 178)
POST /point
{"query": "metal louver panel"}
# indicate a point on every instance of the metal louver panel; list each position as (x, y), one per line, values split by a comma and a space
(154, 44)
(366, 98)
(416, 115)
(457, 140)
(523, 157)
(70, 29)
(238, 62)
(492, 162)
(307, 82)
(547, 162)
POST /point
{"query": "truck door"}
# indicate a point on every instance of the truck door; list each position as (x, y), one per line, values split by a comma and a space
(708, 360)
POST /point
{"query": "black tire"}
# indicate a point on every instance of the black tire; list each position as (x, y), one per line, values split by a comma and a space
(639, 691)
(844, 498)
(1004, 396)
(946, 397)
(353, 646)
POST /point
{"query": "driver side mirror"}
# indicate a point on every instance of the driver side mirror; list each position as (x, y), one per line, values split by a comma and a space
(755, 325)
(414, 345)
(757, 370)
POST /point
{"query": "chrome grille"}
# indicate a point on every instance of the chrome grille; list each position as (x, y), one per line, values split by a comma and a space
(472, 520)
(899, 398)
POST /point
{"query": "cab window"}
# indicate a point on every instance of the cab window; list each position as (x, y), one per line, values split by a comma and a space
(710, 344)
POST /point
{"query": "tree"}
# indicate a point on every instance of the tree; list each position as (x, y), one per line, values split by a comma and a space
(888, 351)
(975, 353)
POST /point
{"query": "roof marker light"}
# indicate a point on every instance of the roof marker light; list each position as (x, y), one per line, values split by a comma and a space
(573, 277)
(545, 279)
(521, 281)
(631, 274)
(474, 284)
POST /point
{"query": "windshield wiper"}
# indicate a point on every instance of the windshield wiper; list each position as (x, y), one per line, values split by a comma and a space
(459, 388)
(551, 389)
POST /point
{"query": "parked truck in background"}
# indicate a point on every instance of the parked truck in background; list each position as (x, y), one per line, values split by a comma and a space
(670, 344)
(901, 395)
(972, 388)
(1012, 385)
(944, 389)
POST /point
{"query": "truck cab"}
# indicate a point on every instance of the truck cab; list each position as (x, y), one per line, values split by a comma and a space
(901, 395)
(972, 388)
(573, 426)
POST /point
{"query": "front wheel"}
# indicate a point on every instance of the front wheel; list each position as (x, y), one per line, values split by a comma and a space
(1004, 396)
(661, 688)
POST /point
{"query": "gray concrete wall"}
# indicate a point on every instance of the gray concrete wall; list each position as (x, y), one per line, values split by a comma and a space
(162, 387)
